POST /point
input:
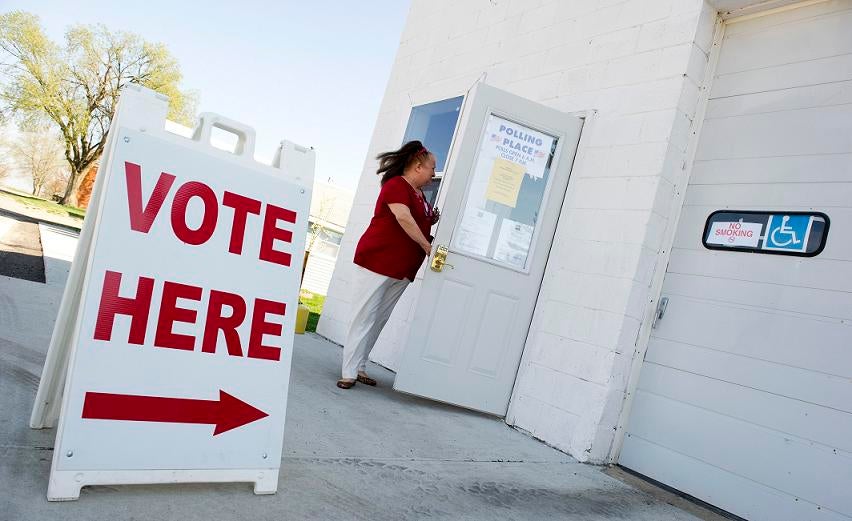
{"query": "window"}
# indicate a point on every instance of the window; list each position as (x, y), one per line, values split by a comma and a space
(434, 125)
(508, 191)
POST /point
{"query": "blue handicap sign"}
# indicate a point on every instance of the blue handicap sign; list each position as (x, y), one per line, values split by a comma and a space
(787, 232)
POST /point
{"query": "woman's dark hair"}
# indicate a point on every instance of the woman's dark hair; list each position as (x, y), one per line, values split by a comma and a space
(393, 164)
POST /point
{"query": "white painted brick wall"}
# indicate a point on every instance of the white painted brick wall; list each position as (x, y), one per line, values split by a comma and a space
(640, 64)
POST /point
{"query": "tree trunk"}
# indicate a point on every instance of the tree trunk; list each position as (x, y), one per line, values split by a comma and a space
(74, 180)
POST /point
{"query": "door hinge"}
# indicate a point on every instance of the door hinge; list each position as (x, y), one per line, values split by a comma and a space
(661, 310)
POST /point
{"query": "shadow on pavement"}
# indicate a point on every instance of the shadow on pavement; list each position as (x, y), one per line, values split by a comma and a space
(9, 214)
(20, 249)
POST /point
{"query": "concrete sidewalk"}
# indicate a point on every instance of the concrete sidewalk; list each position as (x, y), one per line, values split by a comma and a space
(365, 453)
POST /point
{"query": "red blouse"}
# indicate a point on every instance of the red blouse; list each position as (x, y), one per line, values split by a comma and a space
(385, 248)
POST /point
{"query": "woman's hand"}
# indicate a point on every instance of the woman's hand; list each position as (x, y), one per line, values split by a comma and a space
(409, 225)
(436, 216)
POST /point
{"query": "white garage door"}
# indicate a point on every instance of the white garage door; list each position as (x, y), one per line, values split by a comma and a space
(745, 395)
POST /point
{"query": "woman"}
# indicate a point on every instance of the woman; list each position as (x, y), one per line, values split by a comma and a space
(389, 253)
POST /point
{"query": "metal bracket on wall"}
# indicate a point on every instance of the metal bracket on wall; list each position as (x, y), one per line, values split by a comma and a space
(661, 310)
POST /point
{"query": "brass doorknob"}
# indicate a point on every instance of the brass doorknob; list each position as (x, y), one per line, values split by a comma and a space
(439, 260)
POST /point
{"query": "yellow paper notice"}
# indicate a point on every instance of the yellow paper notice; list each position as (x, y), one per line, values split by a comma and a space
(505, 182)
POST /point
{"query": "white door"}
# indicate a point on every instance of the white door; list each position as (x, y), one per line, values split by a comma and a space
(506, 183)
(745, 394)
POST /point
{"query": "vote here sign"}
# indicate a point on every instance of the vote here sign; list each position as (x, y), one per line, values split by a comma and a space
(183, 345)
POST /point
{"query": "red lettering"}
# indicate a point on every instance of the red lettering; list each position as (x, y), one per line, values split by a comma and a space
(216, 319)
(242, 207)
(142, 219)
(143, 214)
(111, 305)
(260, 327)
(216, 322)
(208, 222)
(171, 313)
(271, 233)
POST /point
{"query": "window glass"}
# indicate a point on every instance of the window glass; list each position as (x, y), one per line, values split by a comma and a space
(431, 191)
(434, 124)
(506, 193)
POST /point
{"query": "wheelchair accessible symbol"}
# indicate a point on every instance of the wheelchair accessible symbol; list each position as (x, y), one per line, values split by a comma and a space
(788, 232)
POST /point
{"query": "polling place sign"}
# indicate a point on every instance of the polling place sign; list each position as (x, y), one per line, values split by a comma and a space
(175, 334)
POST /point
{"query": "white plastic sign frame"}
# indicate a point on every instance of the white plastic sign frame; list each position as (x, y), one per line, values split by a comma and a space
(170, 358)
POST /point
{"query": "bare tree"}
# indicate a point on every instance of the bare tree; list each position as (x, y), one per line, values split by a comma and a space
(319, 217)
(56, 183)
(5, 156)
(40, 154)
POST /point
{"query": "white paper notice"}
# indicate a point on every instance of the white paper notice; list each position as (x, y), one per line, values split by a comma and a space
(734, 234)
(474, 233)
(513, 244)
(517, 143)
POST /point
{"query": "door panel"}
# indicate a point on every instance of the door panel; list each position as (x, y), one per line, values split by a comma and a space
(453, 314)
(492, 343)
(506, 181)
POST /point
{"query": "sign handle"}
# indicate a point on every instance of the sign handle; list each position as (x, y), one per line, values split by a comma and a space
(245, 134)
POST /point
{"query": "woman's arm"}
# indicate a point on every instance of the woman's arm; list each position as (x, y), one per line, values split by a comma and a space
(406, 220)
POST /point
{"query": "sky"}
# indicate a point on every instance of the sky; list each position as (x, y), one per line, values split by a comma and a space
(313, 72)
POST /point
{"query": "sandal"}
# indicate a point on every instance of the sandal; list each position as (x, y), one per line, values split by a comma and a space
(345, 384)
(366, 380)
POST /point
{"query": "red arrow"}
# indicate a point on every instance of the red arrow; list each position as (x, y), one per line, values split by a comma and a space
(226, 413)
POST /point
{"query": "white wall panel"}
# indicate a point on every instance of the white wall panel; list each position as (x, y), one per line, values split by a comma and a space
(792, 299)
(792, 466)
(786, 169)
(818, 273)
(791, 345)
(831, 392)
(803, 420)
(745, 394)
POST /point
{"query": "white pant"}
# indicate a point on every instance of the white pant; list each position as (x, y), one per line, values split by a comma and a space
(375, 297)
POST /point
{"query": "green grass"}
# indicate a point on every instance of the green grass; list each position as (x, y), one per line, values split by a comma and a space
(314, 303)
(313, 318)
(43, 204)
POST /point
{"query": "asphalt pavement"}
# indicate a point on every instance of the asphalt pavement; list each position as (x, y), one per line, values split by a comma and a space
(20, 247)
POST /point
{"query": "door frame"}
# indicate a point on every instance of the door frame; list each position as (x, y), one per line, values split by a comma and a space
(587, 118)
(723, 19)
